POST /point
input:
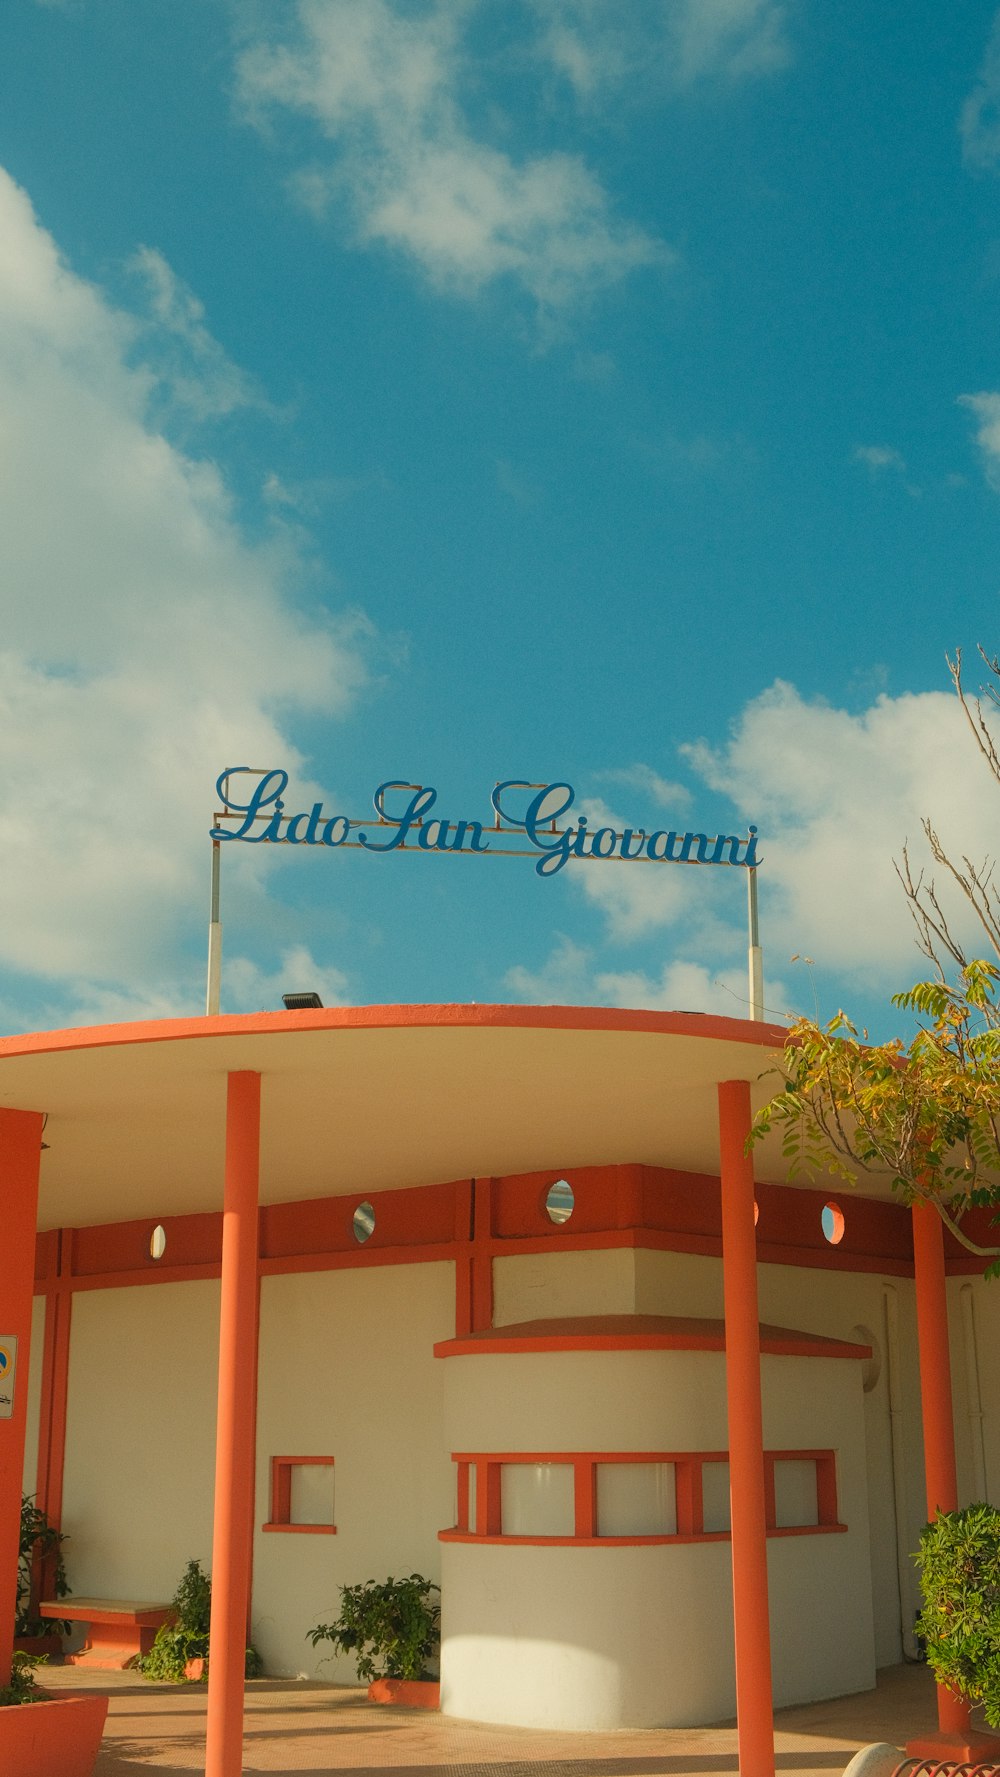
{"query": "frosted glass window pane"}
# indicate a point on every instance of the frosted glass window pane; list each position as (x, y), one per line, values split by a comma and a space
(312, 1493)
(795, 1493)
(636, 1499)
(715, 1492)
(537, 1499)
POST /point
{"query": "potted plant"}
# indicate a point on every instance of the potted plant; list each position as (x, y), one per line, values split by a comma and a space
(959, 1563)
(393, 1629)
(179, 1652)
(40, 1571)
(54, 1734)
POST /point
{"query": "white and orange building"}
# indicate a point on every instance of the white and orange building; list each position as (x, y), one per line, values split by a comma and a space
(488, 1293)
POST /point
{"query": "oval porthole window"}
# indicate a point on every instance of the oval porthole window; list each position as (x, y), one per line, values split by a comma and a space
(158, 1242)
(364, 1222)
(832, 1223)
(559, 1201)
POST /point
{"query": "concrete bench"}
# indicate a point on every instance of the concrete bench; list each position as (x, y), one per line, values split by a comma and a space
(119, 1628)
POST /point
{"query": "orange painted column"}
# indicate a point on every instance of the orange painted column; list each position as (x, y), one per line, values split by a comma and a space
(234, 1446)
(955, 1737)
(755, 1725)
(20, 1157)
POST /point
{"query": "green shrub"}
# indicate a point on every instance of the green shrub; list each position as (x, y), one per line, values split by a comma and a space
(959, 1563)
(39, 1538)
(185, 1637)
(22, 1687)
(391, 1628)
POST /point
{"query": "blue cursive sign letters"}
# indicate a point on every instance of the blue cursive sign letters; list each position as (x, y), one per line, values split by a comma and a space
(262, 820)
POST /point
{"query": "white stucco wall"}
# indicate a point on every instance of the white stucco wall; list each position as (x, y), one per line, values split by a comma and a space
(677, 1283)
(347, 1370)
(538, 1286)
(140, 1443)
(33, 1382)
(836, 1304)
(974, 1362)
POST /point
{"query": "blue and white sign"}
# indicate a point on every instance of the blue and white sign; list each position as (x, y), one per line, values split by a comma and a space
(8, 1367)
(527, 823)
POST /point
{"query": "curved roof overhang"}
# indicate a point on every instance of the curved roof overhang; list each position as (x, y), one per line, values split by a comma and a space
(375, 1097)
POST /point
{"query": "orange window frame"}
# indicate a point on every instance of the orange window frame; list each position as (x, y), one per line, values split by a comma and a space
(688, 1469)
(281, 1495)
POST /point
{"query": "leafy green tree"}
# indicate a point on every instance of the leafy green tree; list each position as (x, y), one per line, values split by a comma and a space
(959, 1563)
(926, 1113)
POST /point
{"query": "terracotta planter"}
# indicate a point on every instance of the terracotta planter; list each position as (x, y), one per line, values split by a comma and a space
(194, 1671)
(415, 1693)
(57, 1738)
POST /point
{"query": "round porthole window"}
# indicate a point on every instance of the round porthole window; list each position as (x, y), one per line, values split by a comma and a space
(364, 1222)
(157, 1242)
(832, 1223)
(559, 1201)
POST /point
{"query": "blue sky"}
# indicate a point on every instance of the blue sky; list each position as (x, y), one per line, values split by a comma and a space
(590, 390)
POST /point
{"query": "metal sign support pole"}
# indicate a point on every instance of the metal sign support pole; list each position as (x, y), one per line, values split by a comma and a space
(214, 940)
(755, 956)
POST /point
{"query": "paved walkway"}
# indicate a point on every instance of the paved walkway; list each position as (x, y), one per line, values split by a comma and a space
(293, 1727)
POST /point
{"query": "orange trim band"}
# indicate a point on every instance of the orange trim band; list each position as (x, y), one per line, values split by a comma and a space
(461, 1017)
(637, 1332)
(629, 1542)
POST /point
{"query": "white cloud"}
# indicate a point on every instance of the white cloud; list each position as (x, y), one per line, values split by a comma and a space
(563, 980)
(736, 38)
(665, 792)
(571, 976)
(191, 362)
(877, 457)
(986, 407)
(836, 795)
(635, 898)
(146, 644)
(979, 123)
(386, 87)
(596, 45)
(249, 988)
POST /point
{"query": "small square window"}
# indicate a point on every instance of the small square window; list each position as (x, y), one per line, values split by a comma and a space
(302, 1495)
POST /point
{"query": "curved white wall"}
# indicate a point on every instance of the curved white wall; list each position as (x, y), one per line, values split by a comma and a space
(587, 1638)
(622, 1636)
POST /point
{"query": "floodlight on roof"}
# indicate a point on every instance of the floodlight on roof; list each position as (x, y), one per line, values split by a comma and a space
(302, 1002)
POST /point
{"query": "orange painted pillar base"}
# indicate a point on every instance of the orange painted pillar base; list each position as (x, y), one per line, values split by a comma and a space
(955, 1739)
(754, 1714)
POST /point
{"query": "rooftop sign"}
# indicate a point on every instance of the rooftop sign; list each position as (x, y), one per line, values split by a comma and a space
(526, 823)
